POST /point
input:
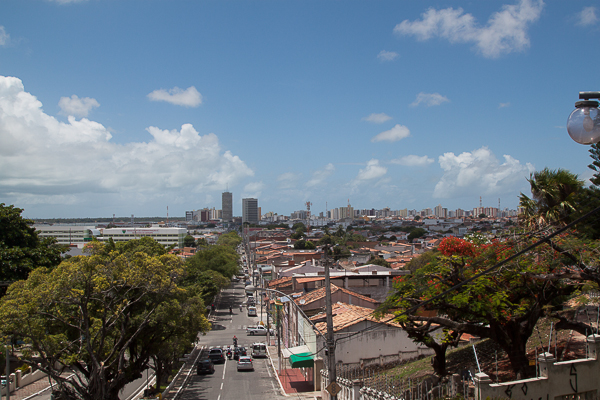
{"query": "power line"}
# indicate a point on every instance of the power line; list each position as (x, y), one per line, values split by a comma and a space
(478, 275)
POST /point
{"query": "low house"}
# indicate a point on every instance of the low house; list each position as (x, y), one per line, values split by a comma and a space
(362, 339)
(314, 302)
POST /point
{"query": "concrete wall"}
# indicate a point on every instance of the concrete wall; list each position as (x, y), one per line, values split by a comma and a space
(576, 378)
(379, 346)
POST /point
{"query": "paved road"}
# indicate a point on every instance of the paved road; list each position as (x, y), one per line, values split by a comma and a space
(227, 383)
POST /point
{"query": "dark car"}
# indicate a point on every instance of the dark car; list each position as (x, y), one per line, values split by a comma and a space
(205, 366)
(239, 352)
(216, 356)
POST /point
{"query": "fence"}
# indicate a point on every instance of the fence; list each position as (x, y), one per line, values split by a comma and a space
(376, 384)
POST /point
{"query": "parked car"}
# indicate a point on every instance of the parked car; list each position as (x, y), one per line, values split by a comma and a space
(245, 364)
(216, 355)
(205, 366)
(259, 330)
(259, 350)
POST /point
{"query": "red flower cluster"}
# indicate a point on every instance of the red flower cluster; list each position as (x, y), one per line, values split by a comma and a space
(452, 246)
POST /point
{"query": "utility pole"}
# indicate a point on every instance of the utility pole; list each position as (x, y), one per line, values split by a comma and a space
(330, 337)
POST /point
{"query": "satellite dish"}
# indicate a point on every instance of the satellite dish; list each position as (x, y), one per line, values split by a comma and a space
(302, 301)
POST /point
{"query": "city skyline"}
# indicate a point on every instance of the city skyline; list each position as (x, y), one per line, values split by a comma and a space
(106, 108)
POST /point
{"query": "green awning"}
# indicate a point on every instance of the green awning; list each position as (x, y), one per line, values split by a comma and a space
(302, 360)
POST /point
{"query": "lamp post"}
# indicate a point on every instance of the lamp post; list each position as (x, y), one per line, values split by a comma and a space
(583, 124)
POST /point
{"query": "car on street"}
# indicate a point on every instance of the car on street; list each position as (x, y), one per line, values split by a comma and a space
(245, 364)
(252, 311)
(216, 355)
(205, 366)
(259, 350)
(259, 330)
(239, 352)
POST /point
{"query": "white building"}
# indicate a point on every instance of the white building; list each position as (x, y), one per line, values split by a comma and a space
(164, 236)
(68, 234)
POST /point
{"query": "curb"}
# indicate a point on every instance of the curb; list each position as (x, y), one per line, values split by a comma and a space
(276, 374)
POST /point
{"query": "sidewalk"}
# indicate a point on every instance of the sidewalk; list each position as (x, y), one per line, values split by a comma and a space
(291, 380)
(31, 390)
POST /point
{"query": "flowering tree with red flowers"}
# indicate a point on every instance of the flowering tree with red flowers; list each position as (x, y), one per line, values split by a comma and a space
(461, 291)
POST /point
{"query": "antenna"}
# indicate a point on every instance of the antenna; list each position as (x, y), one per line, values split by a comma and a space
(480, 202)
(167, 215)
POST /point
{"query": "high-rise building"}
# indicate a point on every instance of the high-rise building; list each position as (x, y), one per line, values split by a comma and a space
(227, 206)
(250, 211)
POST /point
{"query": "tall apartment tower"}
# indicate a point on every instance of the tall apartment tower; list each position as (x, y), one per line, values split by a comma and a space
(227, 206)
(250, 211)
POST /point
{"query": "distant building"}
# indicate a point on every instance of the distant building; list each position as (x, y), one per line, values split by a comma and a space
(250, 211)
(68, 234)
(164, 236)
(227, 206)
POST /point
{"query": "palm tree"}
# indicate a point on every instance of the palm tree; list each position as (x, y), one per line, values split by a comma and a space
(553, 198)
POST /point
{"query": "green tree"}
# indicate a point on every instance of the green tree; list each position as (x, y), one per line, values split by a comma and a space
(554, 194)
(220, 258)
(380, 261)
(299, 225)
(145, 245)
(201, 242)
(595, 165)
(231, 239)
(504, 305)
(103, 317)
(416, 233)
(189, 241)
(21, 250)
(304, 245)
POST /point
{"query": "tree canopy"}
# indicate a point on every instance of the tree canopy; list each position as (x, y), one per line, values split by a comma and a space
(103, 316)
(503, 306)
(231, 239)
(219, 258)
(21, 250)
(554, 198)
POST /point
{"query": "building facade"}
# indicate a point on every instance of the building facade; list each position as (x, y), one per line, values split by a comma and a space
(68, 234)
(227, 206)
(164, 236)
(250, 211)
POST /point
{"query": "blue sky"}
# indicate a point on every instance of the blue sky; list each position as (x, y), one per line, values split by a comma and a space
(129, 107)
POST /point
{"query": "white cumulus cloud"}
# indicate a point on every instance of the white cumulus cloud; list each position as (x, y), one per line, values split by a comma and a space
(587, 16)
(320, 176)
(379, 118)
(429, 99)
(253, 190)
(479, 173)
(505, 31)
(77, 107)
(189, 97)
(45, 160)
(398, 132)
(385, 55)
(372, 171)
(413, 161)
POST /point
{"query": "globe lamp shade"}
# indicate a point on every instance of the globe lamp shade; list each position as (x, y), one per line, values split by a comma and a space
(583, 124)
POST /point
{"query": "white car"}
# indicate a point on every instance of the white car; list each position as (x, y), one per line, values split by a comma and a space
(245, 364)
(259, 350)
(259, 330)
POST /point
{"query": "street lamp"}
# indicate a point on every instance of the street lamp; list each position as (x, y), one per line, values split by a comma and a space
(583, 124)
